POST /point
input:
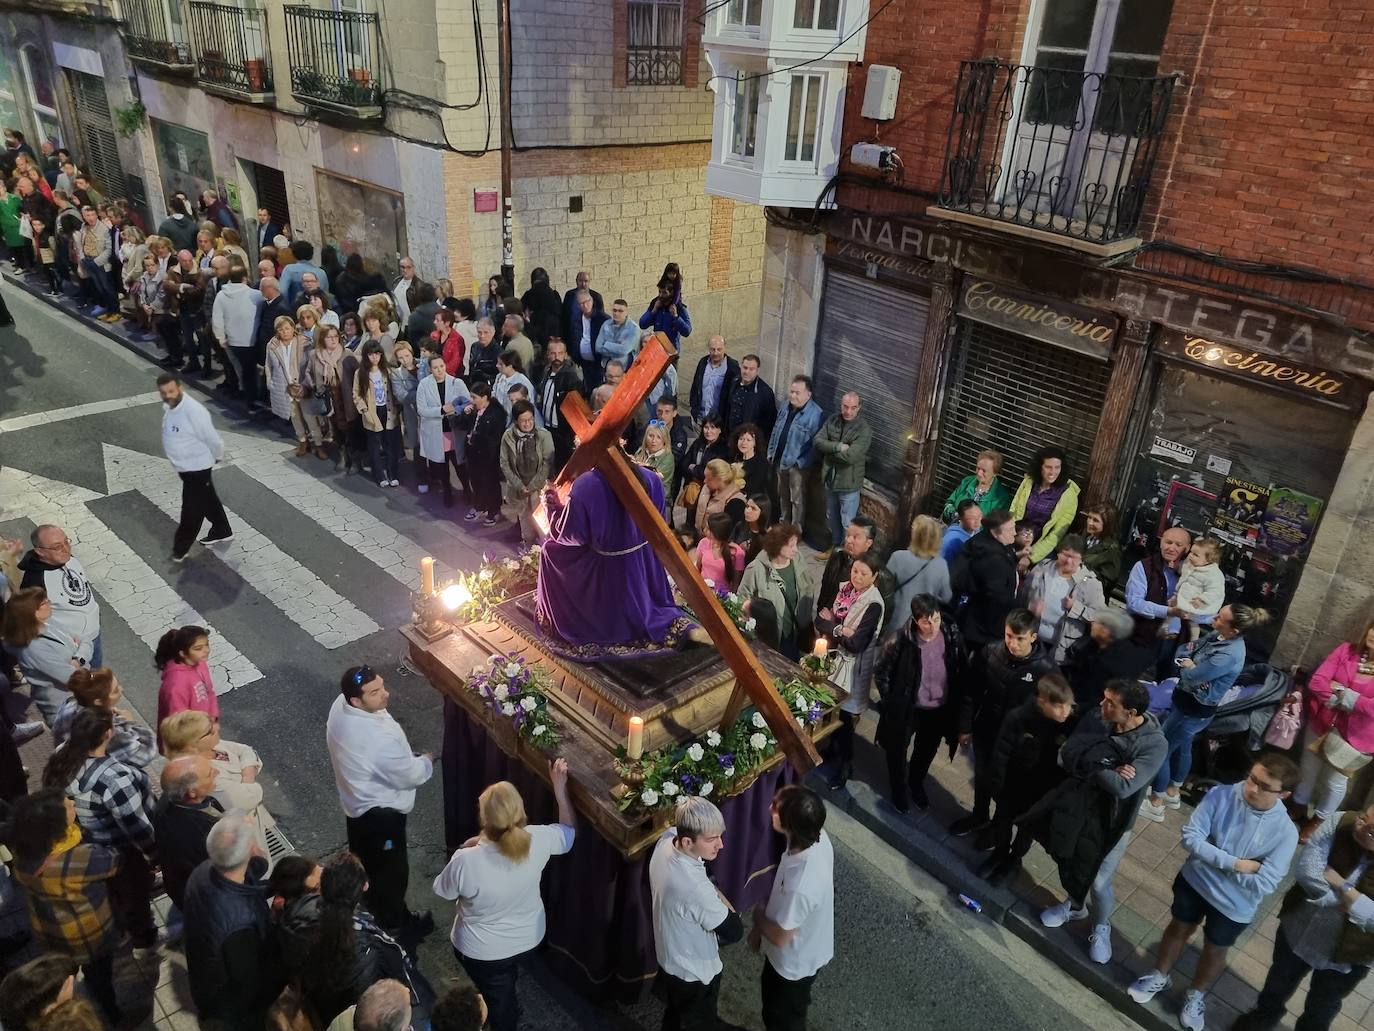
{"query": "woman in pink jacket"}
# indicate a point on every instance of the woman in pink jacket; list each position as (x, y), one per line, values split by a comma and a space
(181, 656)
(1340, 697)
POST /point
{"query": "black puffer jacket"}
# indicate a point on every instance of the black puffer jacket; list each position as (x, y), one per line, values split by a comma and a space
(898, 678)
(985, 571)
(1026, 760)
(997, 683)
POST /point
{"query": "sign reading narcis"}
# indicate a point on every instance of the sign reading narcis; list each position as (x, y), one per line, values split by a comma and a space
(1048, 320)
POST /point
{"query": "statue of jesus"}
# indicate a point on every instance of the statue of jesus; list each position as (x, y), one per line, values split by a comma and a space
(602, 593)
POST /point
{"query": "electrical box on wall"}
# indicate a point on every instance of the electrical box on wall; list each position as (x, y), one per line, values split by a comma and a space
(880, 94)
(871, 155)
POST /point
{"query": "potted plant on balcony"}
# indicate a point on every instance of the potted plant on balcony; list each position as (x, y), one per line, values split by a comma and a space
(362, 76)
(256, 68)
(308, 81)
(358, 94)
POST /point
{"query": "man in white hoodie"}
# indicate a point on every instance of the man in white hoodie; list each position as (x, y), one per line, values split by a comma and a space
(193, 446)
(377, 774)
(234, 320)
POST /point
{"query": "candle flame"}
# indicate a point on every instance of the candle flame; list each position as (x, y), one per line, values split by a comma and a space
(455, 596)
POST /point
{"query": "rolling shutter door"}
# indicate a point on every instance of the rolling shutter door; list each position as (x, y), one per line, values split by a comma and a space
(271, 190)
(870, 341)
(1015, 395)
(99, 151)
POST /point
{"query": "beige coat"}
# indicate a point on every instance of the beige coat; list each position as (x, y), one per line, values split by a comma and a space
(366, 404)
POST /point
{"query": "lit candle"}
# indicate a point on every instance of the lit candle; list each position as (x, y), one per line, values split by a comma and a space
(821, 645)
(634, 746)
(426, 576)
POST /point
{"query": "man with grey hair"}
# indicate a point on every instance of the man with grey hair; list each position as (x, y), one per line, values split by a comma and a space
(691, 916)
(714, 379)
(572, 303)
(584, 324)
(1104, 653)
(231, 958)
(843, 444)
(513, 339)
(483, 353)
(184, 818)
(51, 565)
(385, 1006)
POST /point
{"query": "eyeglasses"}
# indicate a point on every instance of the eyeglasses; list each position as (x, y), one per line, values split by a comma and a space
(364, 675)
(1264, 787)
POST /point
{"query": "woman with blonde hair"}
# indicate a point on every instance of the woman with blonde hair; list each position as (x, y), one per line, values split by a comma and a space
(494, 878)
(287, 354)
(193, 732)
(918, 569)
(384, 309)
(722, 490)
(655, 453)
(231, 245)
(307, 322)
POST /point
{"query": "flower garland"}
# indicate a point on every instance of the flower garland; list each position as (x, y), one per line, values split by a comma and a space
(496, 580)
(715, 763)
(734, 608)
(514, 690)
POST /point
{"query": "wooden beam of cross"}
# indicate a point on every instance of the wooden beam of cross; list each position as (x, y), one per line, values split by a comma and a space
(599, 448)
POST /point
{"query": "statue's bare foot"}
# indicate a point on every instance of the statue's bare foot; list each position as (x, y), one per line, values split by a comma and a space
(698, 636)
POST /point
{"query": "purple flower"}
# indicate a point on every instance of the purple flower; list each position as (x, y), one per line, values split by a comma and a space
(726, 760)
(688, 781)
(814, 713)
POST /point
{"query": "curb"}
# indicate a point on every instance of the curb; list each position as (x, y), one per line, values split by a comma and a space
(907, 834)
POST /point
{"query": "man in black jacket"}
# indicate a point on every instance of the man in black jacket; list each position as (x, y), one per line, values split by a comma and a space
(1002, 676)
(274, 305)
(558, 379)
(185, 816)
(1104, 653)
(751, 400)
(984, 573)
(486, 422)
(716, 376)
(571, 304)
(424, 306)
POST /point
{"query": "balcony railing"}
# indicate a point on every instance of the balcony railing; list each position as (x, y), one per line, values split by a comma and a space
(1057, 150)
(334, 59)
(232, 53)
(150, 34)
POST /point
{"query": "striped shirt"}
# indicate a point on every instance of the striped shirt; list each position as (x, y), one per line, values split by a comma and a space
(69, 901)
(114, 804)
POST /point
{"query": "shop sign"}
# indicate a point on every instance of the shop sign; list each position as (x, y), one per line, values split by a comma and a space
(1045, 319)
(911, 244)
(1261, 369)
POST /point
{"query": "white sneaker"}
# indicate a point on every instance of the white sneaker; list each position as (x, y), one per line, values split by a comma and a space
(1100, 944)
(423, 488)
(395, 483)
(1172, 801)
(1193, 1016)
(1151, 811)
(1147, 986)
(1058, 916)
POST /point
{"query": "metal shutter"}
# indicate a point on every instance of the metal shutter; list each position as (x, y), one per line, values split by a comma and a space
(270, 185)
(99, 148)
(870, 341)
(1016, 395)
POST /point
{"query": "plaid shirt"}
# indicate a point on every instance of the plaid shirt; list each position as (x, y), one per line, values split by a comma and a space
(133, 743)
(114, 805)
(69, 901)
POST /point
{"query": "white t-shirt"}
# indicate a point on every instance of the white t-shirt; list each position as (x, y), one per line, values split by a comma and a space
(687, 910)
(803, 900)
(500, 913)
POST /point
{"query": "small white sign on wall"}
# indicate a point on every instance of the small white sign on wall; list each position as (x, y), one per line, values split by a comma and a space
(1173, 450)
(1217, 464)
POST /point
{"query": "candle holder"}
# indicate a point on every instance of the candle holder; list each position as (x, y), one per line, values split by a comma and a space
(430, 616)
(818, 668)
(632, 776)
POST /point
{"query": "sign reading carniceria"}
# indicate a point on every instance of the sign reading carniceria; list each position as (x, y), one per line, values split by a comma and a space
(1048, 320)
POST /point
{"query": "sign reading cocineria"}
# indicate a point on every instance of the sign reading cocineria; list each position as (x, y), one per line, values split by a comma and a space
(1254, 367)
(1050, 321)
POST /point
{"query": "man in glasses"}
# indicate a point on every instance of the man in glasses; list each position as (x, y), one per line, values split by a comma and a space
(52, 566)
(377, 774)
(1326, 926)
(1240, 843)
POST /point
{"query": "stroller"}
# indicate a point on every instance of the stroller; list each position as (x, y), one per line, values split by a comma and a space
(1223, 753)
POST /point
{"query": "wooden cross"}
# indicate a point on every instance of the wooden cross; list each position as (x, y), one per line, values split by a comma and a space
(599, 448)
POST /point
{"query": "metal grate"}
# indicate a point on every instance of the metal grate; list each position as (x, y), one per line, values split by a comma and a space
(654, 37)
(231, 47)
(1016, 395)
(99, 152)
(870, 340)
(334, 57)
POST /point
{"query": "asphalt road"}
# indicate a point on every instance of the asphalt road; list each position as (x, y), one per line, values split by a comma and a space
(907, 954)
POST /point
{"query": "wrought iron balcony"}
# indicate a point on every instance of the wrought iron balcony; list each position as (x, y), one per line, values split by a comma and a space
(153, 36)
(232, 54)
(1065, 152)
(335, 60)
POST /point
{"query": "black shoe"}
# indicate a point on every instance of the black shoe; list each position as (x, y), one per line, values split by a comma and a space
(919, 798)
(988, 868)
(213, 538)
(170, 362)
(968, 824)
(838, 779)
(985, 840)
(194, 366)
(1254, 1021)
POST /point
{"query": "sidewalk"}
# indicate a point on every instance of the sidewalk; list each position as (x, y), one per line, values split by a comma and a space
(1143, 889)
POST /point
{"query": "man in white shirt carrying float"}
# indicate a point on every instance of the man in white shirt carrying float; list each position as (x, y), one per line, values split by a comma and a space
(377, 774)
(797, 927)
(692, 919)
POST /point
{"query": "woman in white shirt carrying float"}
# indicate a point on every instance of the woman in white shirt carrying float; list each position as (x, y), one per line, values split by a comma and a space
(495, 879)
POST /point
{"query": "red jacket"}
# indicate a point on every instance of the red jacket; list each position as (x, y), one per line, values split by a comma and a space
(455, 347)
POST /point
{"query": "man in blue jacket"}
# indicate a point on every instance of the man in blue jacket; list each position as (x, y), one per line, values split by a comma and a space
(1240, 843)
(666, 315)
(789, 449)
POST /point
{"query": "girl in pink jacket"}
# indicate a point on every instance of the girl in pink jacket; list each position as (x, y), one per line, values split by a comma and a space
(1340, 697)
(181, 656)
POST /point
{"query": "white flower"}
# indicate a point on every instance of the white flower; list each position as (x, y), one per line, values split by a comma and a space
(757, 741)
(750, 623)
(801, 722)
(539, 729)
(759, 721)
(706, 789)
(669, 788)
(713, 739)
(799, 703)
(729, 771)
(484, 574)
(478, 671)
(507, 709)
(695, 752)
(649, 797)
(510, 564)
(502, 692)
(732, 598)
(528, 704)
(711, 584)
(512, 669)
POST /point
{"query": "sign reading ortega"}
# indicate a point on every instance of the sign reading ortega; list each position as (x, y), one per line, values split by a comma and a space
(1048, 320)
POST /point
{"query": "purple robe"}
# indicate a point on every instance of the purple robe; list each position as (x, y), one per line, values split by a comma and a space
(602, 592)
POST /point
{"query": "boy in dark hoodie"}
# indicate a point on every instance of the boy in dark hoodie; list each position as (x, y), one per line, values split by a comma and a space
(1025, 765)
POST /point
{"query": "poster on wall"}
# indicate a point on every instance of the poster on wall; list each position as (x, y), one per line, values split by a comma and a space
(183, 158)
(1240, 510)
(1290, 519)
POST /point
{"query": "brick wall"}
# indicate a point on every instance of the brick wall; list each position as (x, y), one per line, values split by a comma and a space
(568, 76)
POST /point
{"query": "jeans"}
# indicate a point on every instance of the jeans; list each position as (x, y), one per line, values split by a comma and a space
(384, 450)
(1324, 995)
(495, 979)
(792, 498)
(440, 469)
(189, 324)
(199, 502)
(99, 977)
(1102, 895)
(841, 507)
(1322, 784)
(130, 898)
(97, 652)
(784, 1002)
(1179, 731)
(98, 284)
(378, 839)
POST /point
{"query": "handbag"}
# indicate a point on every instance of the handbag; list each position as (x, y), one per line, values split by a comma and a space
(1284, 726)
(1339, 753)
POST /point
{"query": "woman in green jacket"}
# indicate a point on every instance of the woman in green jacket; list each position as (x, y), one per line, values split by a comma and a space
(16, 245)
(1048, 500)
(983, 487)
(1101, 529)
(777, 576)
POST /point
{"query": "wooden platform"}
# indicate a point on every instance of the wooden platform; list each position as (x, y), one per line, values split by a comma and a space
(679, 696)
